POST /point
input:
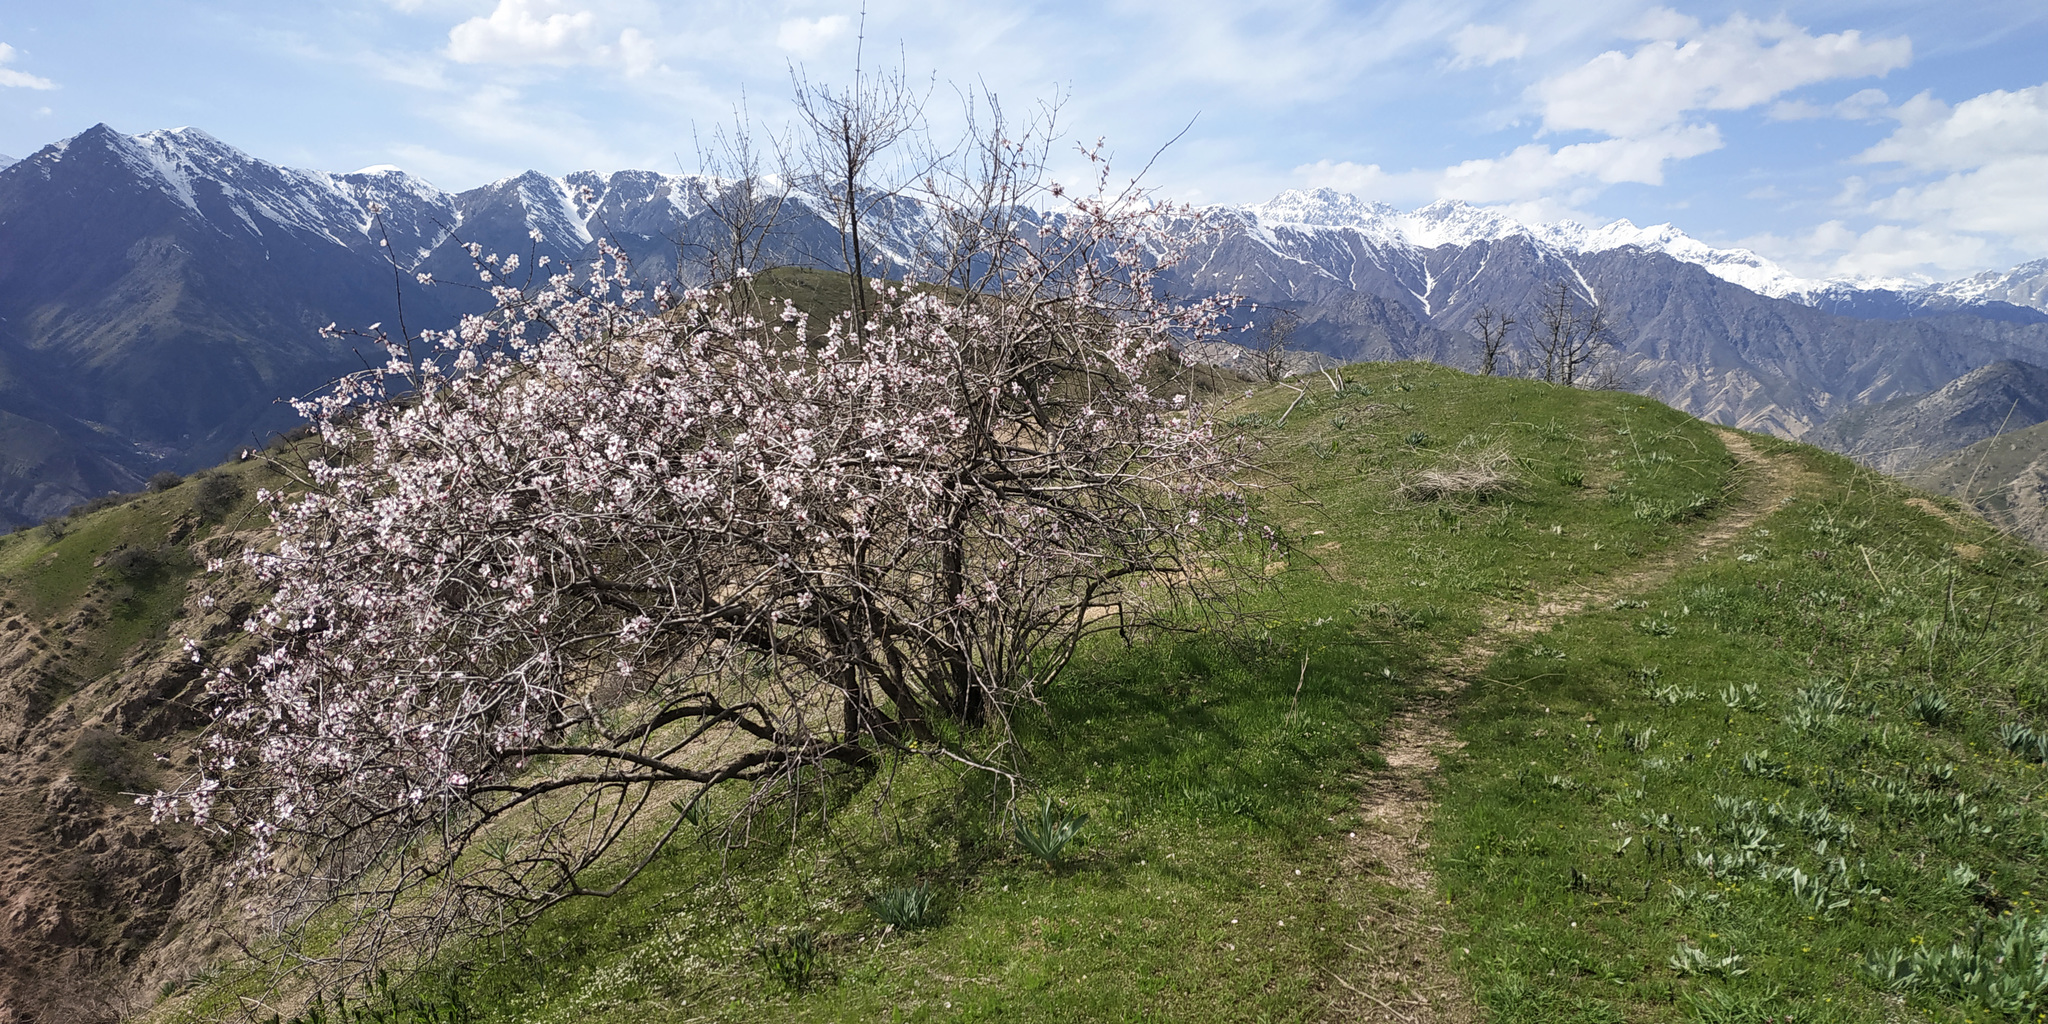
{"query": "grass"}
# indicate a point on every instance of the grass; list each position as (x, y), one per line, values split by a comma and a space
(1730, 797)
(1743, 815)
(103, 585)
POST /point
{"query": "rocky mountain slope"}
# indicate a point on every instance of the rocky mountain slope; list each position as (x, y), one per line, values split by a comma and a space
(160, 293)
(100, 907)
(1906, 432)
(2004, 477)
(1372, 283)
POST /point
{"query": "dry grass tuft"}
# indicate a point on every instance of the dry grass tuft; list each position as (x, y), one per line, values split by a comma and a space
(1473, 474)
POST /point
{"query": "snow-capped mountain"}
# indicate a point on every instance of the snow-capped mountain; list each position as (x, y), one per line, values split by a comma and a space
(2024, 285)
(1723, 333)
(1458, 223)
(159, 291)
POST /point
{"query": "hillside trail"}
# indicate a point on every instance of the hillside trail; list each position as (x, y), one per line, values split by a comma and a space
(1412, 976)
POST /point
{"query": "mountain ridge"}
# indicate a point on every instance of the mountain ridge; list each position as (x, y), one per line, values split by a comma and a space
(159, 293)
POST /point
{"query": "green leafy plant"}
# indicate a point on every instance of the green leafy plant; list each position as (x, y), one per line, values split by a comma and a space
(796, 960)
(1741, 699)
(2018, 739)
(1046, 833)
(1763, 765)
(904, 907)
(1638, 740)
(2002, 965)
(1692, 962)
(1932, 708)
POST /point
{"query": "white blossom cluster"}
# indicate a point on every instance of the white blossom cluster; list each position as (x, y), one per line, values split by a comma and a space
(599, 540)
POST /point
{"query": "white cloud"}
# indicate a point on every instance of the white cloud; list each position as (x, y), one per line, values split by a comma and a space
(1664, 23)
(1864, 105)
(548, 32)
(2003, 197)
(1738, 64)
(1979, 202)
(12, 79)
(807, 37)
(1647, 102)
(1835, 249)
(1536, 170)
(1486, 45)
(1979, 131)
(1367, 180)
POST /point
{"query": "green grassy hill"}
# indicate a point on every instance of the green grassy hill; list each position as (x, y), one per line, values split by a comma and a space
(1561, 706)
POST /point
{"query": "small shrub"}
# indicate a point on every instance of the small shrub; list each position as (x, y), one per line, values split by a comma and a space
(55, 527)
(1048, 832)
(164, 481)
(1418, 439)
(130, 562)
(904, 907)
(109, 763)
(1572, 477)
(215, 495)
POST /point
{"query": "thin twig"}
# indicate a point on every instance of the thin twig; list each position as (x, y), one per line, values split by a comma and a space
(1881, 588)
(1290, 407)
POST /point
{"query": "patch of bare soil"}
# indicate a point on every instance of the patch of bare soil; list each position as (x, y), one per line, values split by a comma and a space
(1936, 511)
(1411, 975)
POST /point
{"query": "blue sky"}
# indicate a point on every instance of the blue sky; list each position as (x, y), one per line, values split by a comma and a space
(1876, 138)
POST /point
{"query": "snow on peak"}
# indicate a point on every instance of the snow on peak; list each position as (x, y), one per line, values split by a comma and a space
(1322, 207)
(2023, 285)
(1457, 222)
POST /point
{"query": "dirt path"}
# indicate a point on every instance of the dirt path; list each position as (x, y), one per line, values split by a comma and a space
(1412, 979)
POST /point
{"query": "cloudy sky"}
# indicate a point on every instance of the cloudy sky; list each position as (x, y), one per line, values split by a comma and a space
(1840, 138)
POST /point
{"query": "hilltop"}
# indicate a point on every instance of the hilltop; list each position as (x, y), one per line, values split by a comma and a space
(1636, 718)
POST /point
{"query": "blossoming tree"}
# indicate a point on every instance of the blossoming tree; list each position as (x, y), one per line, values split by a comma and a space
(561, 571)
